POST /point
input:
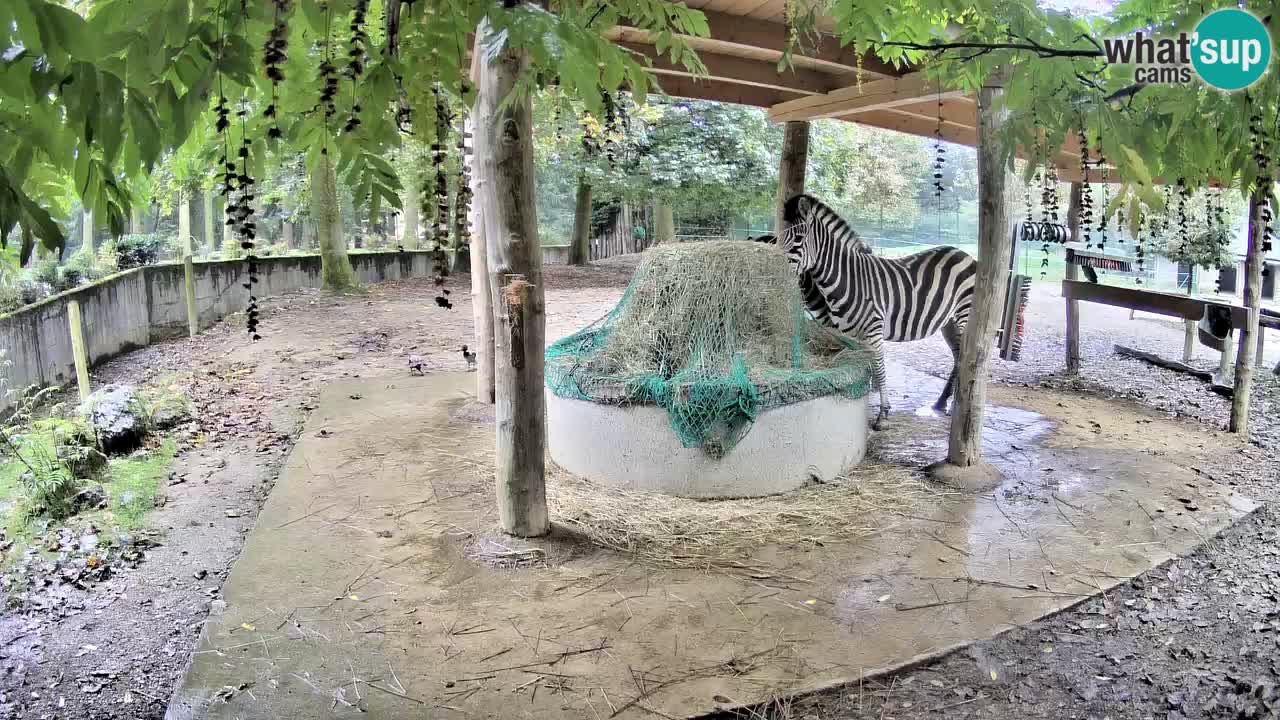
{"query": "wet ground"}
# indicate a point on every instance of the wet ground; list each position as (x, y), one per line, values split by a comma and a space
(362, 590)
(116, 650)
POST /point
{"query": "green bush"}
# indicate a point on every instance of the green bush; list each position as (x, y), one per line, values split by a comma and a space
(130, 251)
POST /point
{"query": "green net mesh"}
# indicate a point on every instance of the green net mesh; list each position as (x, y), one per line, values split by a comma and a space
(715, 333)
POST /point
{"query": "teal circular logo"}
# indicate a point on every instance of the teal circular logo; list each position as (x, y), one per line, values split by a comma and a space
(1230, 49)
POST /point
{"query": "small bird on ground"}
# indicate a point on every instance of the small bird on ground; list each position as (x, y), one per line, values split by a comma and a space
(470, 357)
(415, 364)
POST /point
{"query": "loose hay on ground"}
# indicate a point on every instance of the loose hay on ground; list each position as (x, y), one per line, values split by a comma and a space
(669, 531)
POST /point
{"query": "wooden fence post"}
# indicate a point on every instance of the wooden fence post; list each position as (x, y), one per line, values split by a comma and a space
(791, 166)
(515, 278)
(79, 351)
(1252, 299)
(991, 283)
(481, 297)
(189, 292)
(1073, 306)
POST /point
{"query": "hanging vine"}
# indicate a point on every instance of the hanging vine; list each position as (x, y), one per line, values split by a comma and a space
(274, 55)
(357, 54)
(462, 190)
(1085, 221)
(1102, 216)
(439, 191)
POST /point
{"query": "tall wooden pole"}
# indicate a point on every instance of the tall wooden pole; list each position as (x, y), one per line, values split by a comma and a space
(515, 277)
(579, 243)
(664, 222)
(481, 296)
(795, 156)
(1073, 306)
(991, 283)
(1252, 299)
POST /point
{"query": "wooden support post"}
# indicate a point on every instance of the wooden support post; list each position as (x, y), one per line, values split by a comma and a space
(189, 292)
(1261, 359)
(184, 224)
(995, 246)
(207, 208)
(1226, 360)
(1073, 306)
(1189, 326)
(515, 276)
(79, 351)
(791, 168)
(1252, 299)
(481, 296)
(665, 231)
(578, 249)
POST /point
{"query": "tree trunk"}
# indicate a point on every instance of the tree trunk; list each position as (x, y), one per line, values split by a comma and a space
(1252, 299)
(991, 284)
(208, 222)
(795, 157)
(1073, 306)
(286, 234)
(515, 276)
(578, 244)
(135, 221)
(335, 267)
(481, 295)
(665, 222)
(87, 233)
(409, 233)
(184, 225)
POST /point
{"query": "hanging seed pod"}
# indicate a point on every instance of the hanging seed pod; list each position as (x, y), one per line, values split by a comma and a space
(1085, 221)
(274, 55)
(357, 55)
(1102, 217)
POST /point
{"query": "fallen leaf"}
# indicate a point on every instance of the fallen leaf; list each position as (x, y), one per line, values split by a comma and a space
(882, 598)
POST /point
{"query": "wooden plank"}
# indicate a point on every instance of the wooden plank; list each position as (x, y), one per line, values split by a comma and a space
(741, 71)
(1179, 306)
(79, 349)
(730, 33)
(687, 87)
(863, 97)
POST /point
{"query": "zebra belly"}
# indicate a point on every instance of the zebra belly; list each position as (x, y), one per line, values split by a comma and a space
(893, 335)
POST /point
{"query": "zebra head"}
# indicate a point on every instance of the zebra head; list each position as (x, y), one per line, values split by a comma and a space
(790, 242)
(805, 216)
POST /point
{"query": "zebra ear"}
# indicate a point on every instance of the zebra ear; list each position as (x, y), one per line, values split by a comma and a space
(797, 208)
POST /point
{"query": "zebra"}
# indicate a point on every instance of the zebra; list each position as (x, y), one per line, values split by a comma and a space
(875, 299)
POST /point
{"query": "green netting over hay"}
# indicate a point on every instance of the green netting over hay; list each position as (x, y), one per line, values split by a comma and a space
(715, 332)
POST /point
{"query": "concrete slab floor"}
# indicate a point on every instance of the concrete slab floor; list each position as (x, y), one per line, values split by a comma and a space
(359, 593)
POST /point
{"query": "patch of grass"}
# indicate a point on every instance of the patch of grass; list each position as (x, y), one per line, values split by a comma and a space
(133, 482)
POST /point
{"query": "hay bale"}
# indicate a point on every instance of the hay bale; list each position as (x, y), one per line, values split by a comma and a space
(715, 332)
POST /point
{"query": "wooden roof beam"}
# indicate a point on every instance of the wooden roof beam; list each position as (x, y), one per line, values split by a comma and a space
(863, 98)
(728, 31)
(719, 91)
(741, 71)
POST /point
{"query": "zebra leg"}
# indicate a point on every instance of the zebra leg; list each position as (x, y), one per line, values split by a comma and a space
(877, 347)
(952, 333)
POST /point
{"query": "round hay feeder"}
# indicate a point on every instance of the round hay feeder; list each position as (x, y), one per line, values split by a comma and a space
(708, 380)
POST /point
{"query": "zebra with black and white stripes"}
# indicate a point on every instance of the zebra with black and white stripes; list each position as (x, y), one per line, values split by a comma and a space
(875, 299)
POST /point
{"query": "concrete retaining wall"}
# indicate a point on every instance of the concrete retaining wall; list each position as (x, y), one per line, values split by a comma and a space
(136, 307)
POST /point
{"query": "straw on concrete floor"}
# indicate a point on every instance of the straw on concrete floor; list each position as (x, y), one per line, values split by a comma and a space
(668, 531)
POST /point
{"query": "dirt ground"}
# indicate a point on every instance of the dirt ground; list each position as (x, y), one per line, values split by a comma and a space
(1197, 638)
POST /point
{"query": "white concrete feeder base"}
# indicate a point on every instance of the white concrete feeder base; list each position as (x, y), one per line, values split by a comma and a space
(634, 447)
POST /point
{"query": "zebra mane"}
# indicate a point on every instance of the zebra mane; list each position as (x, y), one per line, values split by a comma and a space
(804, 208)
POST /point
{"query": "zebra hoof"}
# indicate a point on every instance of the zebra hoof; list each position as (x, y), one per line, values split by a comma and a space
(880, 423)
